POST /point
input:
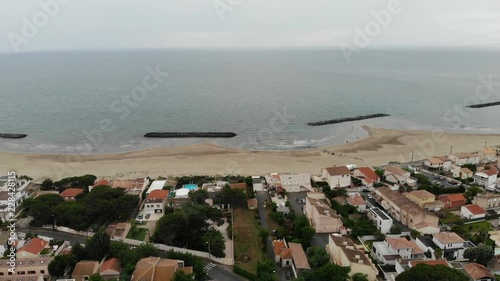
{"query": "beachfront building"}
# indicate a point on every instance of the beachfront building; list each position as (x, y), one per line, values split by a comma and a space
(367, 176)
(407, 212)
(472, 211)
(257, 183)
(394, 248)
(487, 179)
(132, 187)
(452, 245)
(214, 188)
(382, 221)
(438, 163)
(452, 200)
(156, 185)
(344, 252)
(462, 173)
(487, 200)
(397, 175)
(156, 269)
(357, 201)
(294, 182)
(336, 177)
(69, 194)
(461, 159)
(84, 269)
(321, 216)
(156, 202)
(487, 155)
(26, 269)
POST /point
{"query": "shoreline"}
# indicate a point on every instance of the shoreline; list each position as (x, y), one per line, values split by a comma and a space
(380, 147)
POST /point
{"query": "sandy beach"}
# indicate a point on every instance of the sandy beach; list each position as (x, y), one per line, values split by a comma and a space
(381, 147)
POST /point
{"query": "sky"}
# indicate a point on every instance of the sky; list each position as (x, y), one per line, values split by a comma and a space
(30, 25)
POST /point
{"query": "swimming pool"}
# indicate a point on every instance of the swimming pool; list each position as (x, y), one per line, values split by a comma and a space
(190, 186)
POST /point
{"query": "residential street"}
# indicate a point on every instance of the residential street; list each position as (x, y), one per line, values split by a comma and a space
(220, 272)
(72, 238)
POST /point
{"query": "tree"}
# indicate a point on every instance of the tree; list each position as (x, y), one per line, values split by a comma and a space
(181, 276)
(47, 184)
(265, 270)
(360, 277)
(236, 197)
(481, 254)
(438, 253)
(424, 272)
(96, 277)
(98, 246)
(40, 208)
(215, 242)
(330, 271)
(471, 192)
(198, 196)
(317, 257)
(57, 267)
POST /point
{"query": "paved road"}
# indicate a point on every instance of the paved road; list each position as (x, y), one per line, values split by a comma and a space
(219, 272)
(72, 238)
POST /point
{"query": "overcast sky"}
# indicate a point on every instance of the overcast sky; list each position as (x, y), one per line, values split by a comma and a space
(98, 24)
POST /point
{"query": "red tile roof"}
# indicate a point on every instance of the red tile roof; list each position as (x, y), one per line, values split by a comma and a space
(239, 185)
(278, 246)
(101, 182)
(396, 170)
(356, 200)
(477, 271)
(337, 171)
(453, 197)
(475, 209)
(158, 194)
(112, 264)
(490, 172)
(34, 246)
(370, 175)
(71, 192)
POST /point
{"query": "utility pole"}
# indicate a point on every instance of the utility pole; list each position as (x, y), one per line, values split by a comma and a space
(412, 156)
(451, 149)
(485, 144)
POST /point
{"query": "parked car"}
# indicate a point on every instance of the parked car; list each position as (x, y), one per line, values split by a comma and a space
(273, 194)
(147, 216)
(288, 275)
(139, 217)
(274, 232)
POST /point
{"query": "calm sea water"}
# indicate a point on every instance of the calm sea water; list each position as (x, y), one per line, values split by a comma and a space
(265, 96)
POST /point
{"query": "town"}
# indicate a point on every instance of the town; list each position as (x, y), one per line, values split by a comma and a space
(438, 216)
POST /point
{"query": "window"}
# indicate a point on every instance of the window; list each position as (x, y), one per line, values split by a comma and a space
(31, 272)
(21, 273)
(42, 271)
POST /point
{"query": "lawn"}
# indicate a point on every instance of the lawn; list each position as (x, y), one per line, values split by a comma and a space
(136, 233)
(247, 243)
(478, 226)
(449, 217)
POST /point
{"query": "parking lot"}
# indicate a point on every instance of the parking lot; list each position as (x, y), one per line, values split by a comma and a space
(152, 216)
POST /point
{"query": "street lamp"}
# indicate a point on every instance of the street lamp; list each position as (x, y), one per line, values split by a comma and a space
(209, 257)
(55, 225)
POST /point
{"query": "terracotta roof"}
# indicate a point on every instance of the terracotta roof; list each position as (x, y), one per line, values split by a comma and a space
(448, 238)
(299, 256)
(128, 184)
(452, 197)
(423, 194)
(71, 192)
(252, 203)
(463, 155)
(489, 151)
(402, 243)
(337, 171)
(356, 200)
(158, 194)
(286, 254)
(477, 271)
(370, 175)
(490, 172)
(156, 269)
(112, 265)
(33, 246)
(101, 182)
(474, 209)
(396, 170)
(278, 246)
(85, 268)
(436, 160)
(430, 262)
(238, 185)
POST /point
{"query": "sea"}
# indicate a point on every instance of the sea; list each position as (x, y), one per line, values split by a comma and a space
(93, 102)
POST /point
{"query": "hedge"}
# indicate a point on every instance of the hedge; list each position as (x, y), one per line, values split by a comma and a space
(248, 275)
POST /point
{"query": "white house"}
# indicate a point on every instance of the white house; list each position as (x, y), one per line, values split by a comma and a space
(439, 163)
(397, 175)
(472, 211)
(381, 220)
(156, 201)
(257, 183)
(394, 248)
(156, 185)
(461, 159)
(339, 176)
(293, 182)
(367, 176)
(463, 173)
(486, 178)
(357, 201)
(488, 155)
(453, 246)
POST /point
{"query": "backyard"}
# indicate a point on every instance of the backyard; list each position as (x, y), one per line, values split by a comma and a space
(247, 243)
(136, 233)
(478, 226)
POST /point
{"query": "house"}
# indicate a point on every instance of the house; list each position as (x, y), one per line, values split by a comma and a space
(27, 269)
(478, 272)
(252, 203)
(462, 173)
(214, 188)
(438, 163)
(336, 177)
(487, 155)
(101, 182)
(299, 257)
(238, 185)
(257, 183)
(420, 197)
(321, 217)
(344, 252)
(397, 175)
(132, 187)
(357, 201)
(394, 248)
(487, 200)
(158, 269)
(452, 200)
(381, 220)
(405, 211)
(84, 269)
(282, 254)
(452, 245)
(110, 269)
(156, 201)
(32, 248)
(461, 159)
(367, 176)
(472, 211)
(69, 194)
(293, 182)
(486, 178)
(156, 185)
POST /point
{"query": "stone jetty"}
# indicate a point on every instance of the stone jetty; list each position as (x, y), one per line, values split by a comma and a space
(12, 136)
(348, 119)
(481, 105)
(190, 135)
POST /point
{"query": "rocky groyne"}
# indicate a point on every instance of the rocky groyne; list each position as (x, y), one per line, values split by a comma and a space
(481, 105)
(190, 135)
(348, 119)
(12, 136)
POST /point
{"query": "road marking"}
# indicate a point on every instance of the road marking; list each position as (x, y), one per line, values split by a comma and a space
(209, 266)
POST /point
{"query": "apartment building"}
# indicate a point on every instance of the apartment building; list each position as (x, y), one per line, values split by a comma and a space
(461, 159)
(339, 176)
(321, 216)
(293, 182)
(26, 269)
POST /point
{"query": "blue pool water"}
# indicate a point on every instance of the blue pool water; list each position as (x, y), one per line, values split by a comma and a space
(190, 186)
